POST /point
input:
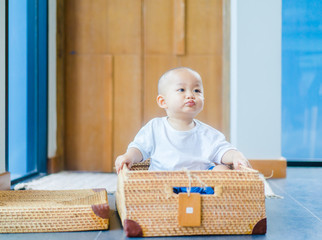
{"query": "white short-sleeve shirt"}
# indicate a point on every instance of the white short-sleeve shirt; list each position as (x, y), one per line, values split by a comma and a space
(170, 149)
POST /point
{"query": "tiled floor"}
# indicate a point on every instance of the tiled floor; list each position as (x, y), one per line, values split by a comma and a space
(296, 217)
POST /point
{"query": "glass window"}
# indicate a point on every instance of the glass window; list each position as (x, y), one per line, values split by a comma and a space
(302, 80)
(27, 87)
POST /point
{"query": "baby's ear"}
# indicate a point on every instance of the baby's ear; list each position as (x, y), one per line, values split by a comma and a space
(161, 101)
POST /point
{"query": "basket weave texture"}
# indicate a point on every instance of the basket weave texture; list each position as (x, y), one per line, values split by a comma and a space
(146, 199)
(53, 211)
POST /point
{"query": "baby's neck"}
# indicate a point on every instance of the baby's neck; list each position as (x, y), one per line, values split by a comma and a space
(181, 124)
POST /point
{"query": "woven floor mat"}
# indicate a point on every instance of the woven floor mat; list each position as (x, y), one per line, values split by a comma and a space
(72, 180)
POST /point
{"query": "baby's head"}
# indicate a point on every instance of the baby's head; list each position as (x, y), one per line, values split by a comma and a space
(181, 92)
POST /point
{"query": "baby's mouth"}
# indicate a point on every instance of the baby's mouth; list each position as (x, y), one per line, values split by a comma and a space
(190, 103)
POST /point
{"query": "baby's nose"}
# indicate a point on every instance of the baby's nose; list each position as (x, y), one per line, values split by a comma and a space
(189, 94)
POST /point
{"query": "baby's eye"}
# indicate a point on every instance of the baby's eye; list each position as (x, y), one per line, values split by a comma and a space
(197, 90)
(180, 90)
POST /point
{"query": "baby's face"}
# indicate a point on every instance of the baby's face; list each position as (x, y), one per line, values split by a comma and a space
(183, 94)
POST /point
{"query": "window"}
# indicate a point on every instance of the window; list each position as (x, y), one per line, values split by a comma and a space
(27, 87)
(302, 80)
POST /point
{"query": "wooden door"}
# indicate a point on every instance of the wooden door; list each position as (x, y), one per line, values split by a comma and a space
(115, 52)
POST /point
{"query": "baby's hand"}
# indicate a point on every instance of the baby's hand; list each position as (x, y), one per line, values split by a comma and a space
(133, 155)
(236, 159)
(239, 161)
(120, 161)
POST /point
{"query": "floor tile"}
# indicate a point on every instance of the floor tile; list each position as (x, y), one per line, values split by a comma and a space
(294, 228)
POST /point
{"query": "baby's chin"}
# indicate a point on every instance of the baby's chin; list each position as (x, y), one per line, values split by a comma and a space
(187, 115)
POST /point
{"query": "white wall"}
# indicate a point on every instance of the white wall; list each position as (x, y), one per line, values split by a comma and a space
(256, 77)
(2, 86)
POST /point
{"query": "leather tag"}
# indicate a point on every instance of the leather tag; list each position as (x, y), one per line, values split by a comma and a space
(189, 210)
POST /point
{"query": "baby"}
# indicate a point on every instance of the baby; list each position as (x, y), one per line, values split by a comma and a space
(178, 140)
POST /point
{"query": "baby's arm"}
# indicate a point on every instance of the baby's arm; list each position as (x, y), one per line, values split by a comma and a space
(133, 155)
(235, 158)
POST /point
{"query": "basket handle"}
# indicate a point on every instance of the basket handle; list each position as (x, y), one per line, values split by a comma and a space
(217, 189)
(248, 169)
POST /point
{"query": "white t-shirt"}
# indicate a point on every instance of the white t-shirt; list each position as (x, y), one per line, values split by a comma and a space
(170, 149)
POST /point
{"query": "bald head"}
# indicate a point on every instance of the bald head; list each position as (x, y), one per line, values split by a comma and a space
(168, 75)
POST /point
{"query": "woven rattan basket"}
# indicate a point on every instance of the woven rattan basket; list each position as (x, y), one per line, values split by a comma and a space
(148, 207)
(53, 211)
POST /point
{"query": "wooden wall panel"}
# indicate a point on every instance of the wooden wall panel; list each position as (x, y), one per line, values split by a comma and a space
(203, 41)
(57, 163)
(204, 27)
(85, 26)
(115, 53)
(89, 112)
(226, 69)
(123, 27)
(128, 99)
(158, 26)
(209, 68)
(155, 66)
(179, 24)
